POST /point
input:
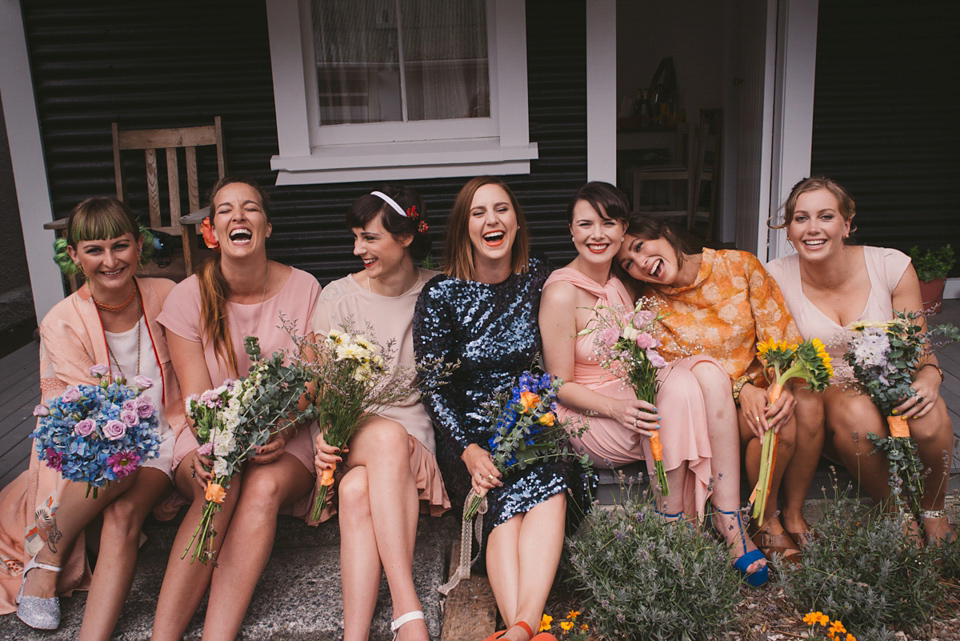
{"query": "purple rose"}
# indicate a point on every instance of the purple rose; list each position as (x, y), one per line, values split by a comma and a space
(99, 370)
(86, 427)
(72, 395)
(114, 430)
(646, 341)
(656, 359)
(144, 406)
(41, 410)
(143, 382)
(129, 418)
(129, 405)
(609, 336)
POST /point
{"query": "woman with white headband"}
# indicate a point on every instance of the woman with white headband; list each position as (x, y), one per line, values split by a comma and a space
(391, 473)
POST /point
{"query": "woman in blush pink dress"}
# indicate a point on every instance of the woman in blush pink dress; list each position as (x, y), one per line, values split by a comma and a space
(391, 471)
(617, 423)
(206, 317)
(828, 284)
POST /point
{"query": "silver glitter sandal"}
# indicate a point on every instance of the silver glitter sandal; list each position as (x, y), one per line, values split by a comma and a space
(35, 611)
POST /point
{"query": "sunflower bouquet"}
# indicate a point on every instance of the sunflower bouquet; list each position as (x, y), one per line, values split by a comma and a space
(625, 345)
(884, 358)
(807, 360)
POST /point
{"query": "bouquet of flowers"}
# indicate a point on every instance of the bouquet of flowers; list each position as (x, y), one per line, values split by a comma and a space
(351, 378)
(625, 345)
(236, 418)
(807, 360)
(884, 357)
(525, 429)
(98, 433)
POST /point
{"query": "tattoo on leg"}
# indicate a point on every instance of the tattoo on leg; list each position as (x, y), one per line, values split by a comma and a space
(53, 537)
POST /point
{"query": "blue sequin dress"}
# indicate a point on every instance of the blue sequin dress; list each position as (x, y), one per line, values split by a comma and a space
(493, 331)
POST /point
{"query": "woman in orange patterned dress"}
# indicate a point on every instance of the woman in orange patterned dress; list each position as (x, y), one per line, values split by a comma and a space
(723, 303)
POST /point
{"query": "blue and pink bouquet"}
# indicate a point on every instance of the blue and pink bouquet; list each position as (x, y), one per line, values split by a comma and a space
(526, 430)
(99, 433)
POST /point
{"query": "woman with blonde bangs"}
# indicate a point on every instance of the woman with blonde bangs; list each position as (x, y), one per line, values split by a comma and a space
(239, 293)
(696, 452)
(829, 283)
(391, 473)
(110, 321)
(482, 312)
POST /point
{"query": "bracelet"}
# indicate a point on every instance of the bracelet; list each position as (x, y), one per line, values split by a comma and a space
(738, 387)
(936, 367)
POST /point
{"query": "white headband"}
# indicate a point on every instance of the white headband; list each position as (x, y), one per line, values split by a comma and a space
(390, 201)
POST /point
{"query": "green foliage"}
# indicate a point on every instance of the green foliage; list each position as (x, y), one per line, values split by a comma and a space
(643, 578)
(864, 570)
(932, 264)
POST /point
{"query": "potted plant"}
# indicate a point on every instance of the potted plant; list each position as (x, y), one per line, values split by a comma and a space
(932, 266)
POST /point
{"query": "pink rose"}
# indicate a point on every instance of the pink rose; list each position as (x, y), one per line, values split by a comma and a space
(41, 410)
(646, 341)
(129, 418)
(114, 430)
(609, 336)
(85, 428)
(655, 359)
(129, 405)
(641, 318)
(99, 370)
(72, 395)
(205, 449)
(143, 382)
(144, 406)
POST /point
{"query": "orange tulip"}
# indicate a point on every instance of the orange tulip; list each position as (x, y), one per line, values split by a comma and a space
(215, 493)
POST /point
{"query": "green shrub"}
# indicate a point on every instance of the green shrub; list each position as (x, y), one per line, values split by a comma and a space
(642, 578)
(932, 264)
(863, 570)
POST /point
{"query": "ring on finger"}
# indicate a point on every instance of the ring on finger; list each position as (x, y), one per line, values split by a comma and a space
(756, 418)
(919, 400)
(490, 477)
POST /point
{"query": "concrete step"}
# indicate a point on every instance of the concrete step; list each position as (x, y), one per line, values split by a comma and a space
(298, 596)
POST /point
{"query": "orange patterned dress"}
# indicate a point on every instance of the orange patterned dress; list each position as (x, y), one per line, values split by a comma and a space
(732, 304)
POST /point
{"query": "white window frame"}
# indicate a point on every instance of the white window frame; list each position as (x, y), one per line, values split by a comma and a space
(309, 154)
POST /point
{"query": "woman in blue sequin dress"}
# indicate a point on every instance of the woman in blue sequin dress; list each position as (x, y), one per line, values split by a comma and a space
(483, 312)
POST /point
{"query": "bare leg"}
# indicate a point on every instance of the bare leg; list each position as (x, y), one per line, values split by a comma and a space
(383, 448)
(359, 561)
(75, 512)
(185, 583)
(119, 542)
(850, 417)
(725, 449)
(249, 541)
(522, 559)
(934, 436)
(798, 475)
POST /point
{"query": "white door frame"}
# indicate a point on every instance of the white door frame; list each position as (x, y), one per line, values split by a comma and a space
(26, 155)
(602, 90)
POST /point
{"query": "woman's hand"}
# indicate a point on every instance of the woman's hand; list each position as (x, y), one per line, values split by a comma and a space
(201, 469)
(327, 456)
(635, 415)
(484, 475)
(760, 415)
(273, 448)
(926, 384)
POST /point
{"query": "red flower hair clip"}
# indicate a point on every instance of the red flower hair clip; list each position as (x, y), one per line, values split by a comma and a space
(209, 238)
(423, 227)
(412, 212)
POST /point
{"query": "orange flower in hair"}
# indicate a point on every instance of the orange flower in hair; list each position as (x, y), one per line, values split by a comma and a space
(209, 238)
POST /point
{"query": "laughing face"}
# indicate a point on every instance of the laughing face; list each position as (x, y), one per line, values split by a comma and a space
(380, 251)
(109, 265)
(240, 221)
(493, 225)
(817, 228)
(596, 238)
(652, 261)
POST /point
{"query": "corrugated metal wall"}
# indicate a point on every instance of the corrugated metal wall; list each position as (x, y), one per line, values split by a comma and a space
(887, 117)
(173, 63)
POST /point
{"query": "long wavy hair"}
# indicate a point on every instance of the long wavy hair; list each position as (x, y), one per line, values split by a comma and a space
(458, 250)
(214, 289)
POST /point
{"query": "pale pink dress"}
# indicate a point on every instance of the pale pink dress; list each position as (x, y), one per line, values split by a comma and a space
(344, 304)
(683, 425)
(885, 268)
(296, 300)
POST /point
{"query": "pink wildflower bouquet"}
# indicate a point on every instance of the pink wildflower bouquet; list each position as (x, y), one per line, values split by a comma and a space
(98, 433)
(625, 346)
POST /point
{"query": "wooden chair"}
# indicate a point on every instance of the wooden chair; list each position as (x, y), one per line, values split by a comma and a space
(167, 141)
(707, 174)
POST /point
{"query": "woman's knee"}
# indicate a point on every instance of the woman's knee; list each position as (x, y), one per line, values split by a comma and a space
(263, 488)
(935, 426)
(354, 493)
(382, 442)
(810, 415)
(122, 520)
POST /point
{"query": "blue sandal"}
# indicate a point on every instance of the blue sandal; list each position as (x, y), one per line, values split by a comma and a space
(744, 561)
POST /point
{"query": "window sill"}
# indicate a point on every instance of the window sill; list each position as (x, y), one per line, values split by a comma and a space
(404, 161)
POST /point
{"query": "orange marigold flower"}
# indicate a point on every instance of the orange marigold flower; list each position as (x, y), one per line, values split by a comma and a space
(214, 493)
(547, 619)
(566, 626)
(573, 614)
(547, 419)
(837, 628)
(850, 637)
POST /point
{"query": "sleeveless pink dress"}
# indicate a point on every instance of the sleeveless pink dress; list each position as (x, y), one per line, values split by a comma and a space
(683, 424)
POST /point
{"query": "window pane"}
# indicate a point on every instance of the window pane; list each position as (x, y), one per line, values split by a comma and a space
(364, 75)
